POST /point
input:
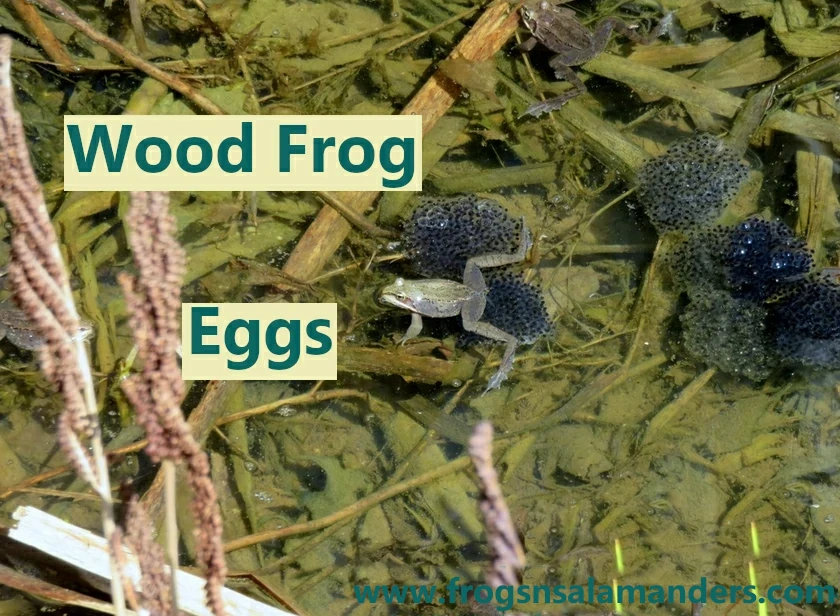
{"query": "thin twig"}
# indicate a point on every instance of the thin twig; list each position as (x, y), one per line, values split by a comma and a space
(357, 220)
(357, 508)
(137, 25)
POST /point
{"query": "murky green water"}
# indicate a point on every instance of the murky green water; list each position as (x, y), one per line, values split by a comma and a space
(610, 434)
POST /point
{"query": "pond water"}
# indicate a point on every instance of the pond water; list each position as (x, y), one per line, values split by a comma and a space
(674, 421)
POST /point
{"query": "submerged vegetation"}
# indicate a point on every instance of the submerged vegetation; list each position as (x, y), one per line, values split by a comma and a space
(675, 394)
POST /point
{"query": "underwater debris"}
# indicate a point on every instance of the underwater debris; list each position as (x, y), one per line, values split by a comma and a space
(756, 259)
(443, 233)
(806, 325)
(728, 333)
(513, 306)
(690, 184)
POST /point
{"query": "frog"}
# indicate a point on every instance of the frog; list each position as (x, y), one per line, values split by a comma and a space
(440, 298)
(559, 29)
(18, 329)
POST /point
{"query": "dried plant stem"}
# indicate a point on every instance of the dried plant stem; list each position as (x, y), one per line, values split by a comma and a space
(27, 484)
(171, 504)
(40, 282)
(357, 508)
(354, 218)
(507, 555)
(109, 525)
(153, 300)
(137, 25)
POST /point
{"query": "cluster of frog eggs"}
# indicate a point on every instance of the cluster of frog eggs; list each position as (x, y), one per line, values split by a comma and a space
(754, 302)
(443, 233)
(690, 184)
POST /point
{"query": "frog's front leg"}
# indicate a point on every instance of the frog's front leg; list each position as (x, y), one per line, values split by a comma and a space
(561, 71)
(529, 44)
(414, 329)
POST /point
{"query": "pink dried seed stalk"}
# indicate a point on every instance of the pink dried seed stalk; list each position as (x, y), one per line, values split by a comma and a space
(39, 280)
(153, 299)
(154, 583)
(507, 555)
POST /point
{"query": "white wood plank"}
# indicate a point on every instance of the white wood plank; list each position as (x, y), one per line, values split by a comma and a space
(87, 552)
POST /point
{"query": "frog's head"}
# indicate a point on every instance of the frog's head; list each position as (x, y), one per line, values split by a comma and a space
(531, 10)
(537, 12)
(399, 293)
(85, 330)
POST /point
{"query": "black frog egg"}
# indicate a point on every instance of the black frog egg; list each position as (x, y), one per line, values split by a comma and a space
(763, 258)
(689, 185)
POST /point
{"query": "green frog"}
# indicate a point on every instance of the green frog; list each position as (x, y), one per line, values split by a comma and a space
(16, 327)
(439, 298)
(559, 29)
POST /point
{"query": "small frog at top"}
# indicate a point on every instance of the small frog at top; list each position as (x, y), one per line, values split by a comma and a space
(559, 29)
(439, 298)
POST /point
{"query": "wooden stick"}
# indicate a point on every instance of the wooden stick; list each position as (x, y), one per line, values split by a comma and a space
(324, 236)
(49, 43)
(88, 553)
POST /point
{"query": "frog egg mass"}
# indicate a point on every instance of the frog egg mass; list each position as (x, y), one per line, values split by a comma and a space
(806, 325)
(754, 302)
(443, 233)
(513, 306)
(728, 333)
(689, 185)
(756, 259)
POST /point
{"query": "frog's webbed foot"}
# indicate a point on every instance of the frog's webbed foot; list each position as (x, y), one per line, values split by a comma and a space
(561, 71)
(414, 329)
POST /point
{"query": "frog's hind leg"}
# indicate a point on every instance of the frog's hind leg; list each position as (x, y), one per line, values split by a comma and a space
(472, 275)
(561, 71)
(483, 328)
(473, 310)
(605, 28)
